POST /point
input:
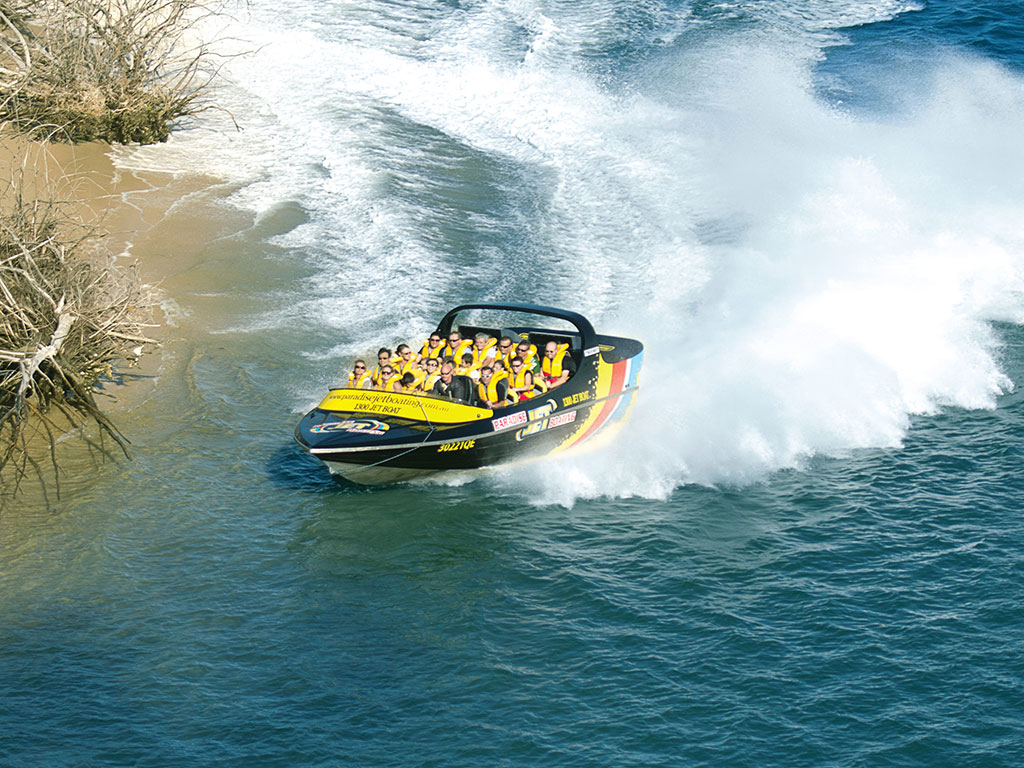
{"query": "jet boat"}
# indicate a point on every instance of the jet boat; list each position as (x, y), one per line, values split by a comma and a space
(373, 437)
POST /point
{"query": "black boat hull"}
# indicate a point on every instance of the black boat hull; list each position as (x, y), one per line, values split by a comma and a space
(380, 437)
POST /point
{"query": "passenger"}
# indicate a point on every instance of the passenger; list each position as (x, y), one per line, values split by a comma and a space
(433, 347)
(407, 359)
(418, 375)
(433, 368)
(361, 377)
(505, 351)
(458, 388)
(469, 367)
(521, 379)
(483, 349)
(407, 383)
(500, 369)
(490, 391)
(457, 345)
(558, 365)
(528, 352)
(388, 375)
(383, 359)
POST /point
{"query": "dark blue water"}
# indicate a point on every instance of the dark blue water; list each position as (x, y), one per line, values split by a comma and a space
(806, 549)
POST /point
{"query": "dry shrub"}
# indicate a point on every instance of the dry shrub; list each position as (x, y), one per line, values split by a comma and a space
(65, 319)
(113, 70)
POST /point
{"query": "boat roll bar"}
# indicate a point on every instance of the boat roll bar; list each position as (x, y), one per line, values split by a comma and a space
(587, 334)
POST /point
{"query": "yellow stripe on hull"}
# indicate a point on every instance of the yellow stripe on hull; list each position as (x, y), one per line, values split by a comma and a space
(415, 407)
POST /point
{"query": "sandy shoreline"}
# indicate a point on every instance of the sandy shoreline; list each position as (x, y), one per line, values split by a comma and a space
(158, 224)
(164, 226)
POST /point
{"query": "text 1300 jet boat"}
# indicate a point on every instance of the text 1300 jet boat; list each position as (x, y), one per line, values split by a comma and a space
(374, 437)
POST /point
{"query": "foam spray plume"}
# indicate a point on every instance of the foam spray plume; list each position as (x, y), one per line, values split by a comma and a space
(849, 276)
(804, 277)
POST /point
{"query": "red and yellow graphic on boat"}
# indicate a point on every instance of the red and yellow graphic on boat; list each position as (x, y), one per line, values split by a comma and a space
(613, 398)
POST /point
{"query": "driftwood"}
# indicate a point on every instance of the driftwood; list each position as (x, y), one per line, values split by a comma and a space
(114, 70)
(65, 319)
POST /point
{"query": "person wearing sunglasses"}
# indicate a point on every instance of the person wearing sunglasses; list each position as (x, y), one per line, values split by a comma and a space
(433, 368)
(521, 379)
(491, 391)
(383, 361)
(452, 386)
(557, 365)
(505, 351)
(528, 352)
(457, 346)
(407, 359)
(433, 347)
(361, 377)
(388, 376)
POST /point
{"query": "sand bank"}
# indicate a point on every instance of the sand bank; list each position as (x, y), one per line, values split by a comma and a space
(158, 224)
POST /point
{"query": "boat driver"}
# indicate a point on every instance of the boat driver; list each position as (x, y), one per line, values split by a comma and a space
(458, 388)
(557, 365)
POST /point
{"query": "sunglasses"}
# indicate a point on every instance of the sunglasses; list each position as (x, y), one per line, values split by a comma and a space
(360, 366)
(434, 339)
(387, 370)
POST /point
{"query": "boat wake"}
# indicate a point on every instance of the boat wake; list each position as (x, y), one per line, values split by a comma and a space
(805, 275)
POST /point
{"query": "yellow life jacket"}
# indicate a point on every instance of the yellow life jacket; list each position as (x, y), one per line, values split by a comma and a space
(480, 356)
(529, 360)
(376, 374)
(360, 382)
(405, 367)
(467, 370)
(429, 351)
(385, 384)
(519, 379)
(488, 391)
(460, 349)
(427, 383)
(553, 368)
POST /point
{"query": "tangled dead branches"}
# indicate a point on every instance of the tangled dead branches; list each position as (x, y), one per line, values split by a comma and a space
(114, 70)
(64, 320)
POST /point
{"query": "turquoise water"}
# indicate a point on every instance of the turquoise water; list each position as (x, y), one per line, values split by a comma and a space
(806, 547)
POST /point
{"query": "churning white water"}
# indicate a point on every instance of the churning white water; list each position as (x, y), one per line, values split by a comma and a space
(805, 277)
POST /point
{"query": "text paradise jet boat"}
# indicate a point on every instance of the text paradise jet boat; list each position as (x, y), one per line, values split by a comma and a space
(374, 437)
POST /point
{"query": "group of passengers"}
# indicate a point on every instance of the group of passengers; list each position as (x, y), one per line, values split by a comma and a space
(482, 371)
